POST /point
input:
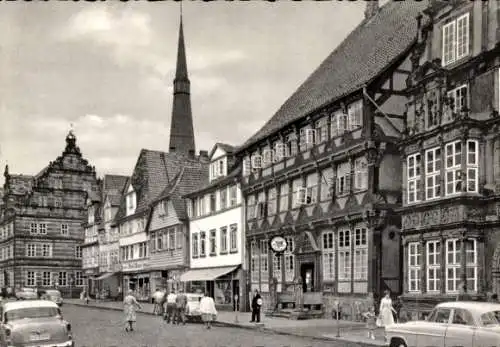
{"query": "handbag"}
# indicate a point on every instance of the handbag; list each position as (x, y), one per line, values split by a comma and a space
(259, 302)
(378, 322)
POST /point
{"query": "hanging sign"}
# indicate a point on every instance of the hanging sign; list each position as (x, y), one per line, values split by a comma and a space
(278, 244)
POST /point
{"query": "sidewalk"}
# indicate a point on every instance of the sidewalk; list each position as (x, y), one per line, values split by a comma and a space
(322, 329)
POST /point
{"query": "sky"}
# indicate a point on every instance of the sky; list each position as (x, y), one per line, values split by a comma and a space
(106, 69)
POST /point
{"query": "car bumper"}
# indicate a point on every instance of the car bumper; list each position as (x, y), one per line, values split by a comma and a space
(69, 343)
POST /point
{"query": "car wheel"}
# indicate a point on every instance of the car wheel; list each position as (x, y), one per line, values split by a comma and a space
(397, 343)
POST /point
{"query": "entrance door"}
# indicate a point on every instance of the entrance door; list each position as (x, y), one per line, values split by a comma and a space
(307, 274)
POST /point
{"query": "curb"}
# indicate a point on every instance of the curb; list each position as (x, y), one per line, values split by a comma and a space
(246, 327)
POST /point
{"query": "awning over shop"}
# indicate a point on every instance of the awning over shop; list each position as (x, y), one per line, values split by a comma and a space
(104, 276)
(209, 274)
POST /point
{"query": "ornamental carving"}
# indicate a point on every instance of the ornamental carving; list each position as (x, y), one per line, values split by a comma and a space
(445, 215)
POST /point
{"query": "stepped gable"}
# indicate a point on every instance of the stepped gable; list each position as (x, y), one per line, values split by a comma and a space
(367, 51)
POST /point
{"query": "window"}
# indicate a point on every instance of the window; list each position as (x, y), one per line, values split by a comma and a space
(163, 208)
(343, 178)
(247, 166)
(457, 102)
(433, 266)
(289, 259)
(223, 240)
(171, 238)
(254, 262)
(159, 241)
(251, 207)
(267, 157)
(46, 278)
(223, 198)
(327, 181)
(63, 278)
(284, 190)
(203, 244)
(355, 115)
(471, 264)
(233, 237)
(456, 40)
(298, 193)
(195, 245)
(78, 251)
(46, 250)
(338, 123)
(462, 317)
(142, 250)
(261, 208)
(472, 166)
(277, 267)
(307, 138)
(453, 261)
(321, 130)
(311, 189)
(130, 203)
(328, 256)
(453, 168)
(58, 202)
(31, 250)
(271, 202)
(233, 196)
(413, 162)
(344, 249)
(360, 254)
(414, 263)
(64, 229)
(360, 174)
(78, 279)
(30, 278)
(440, 315)
(34, 228)
(263, 261)
(212, 200)
(179, 236)
(291, 147)
(433, 173)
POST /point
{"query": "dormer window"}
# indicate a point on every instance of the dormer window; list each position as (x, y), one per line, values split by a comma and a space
(163, 208)
(218, 168)
(91, 215)
(131, 201)
(455, 40)
(355, 115)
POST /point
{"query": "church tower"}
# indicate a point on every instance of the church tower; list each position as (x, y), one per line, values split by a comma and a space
(181, 128)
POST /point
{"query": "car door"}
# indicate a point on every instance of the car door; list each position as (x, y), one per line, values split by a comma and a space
(460, 332)
(432, 333)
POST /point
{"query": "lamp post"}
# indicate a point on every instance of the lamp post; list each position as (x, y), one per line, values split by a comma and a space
(337, 311)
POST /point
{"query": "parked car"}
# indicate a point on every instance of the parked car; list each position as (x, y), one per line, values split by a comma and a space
(34, 323)
(193, 306)
(52, 295)
(26, 294)
(457, 323)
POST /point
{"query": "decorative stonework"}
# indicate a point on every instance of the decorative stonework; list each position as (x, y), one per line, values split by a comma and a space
(439, 216)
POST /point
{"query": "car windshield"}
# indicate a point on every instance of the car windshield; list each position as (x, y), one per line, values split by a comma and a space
(490, 318)
(193, 298)
(28, 290)
(53, 293)
(31, 312)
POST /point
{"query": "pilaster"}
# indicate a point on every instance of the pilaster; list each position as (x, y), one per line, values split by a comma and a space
(442, 280)
(423, 264)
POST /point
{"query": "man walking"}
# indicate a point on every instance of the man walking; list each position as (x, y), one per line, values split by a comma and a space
(171, 307)
(181, 303)
(157, 301)
(256, 304)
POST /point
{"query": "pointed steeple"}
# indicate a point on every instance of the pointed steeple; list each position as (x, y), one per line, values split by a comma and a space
(181, 129)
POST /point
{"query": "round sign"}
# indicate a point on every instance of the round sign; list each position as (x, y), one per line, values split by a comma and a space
(278, 244)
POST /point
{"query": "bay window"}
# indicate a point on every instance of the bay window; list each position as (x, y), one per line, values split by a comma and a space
(457, 102)
(291, 147)
(453, 177)
(472, 166)
(338, 123)
(355, 115)
(433, 266)
(312, 188)
(360, 174)
(360, 254)
(321, 130)
(433, 173)
(455, 40)
(289, 259)
(414, 264)
(328, 256)
(413, 173)
(344, 255)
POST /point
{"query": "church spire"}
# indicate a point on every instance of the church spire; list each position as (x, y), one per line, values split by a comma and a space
(181, 129)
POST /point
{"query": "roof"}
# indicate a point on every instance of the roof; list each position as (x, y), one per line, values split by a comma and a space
(114, 183)
(153, 172)
(20, 184)
(216, 183)
(14, 305)
(367, 51)
(476, 306)
(114, 199)
(229, 149)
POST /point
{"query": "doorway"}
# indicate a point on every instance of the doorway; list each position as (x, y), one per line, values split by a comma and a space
(307, 274)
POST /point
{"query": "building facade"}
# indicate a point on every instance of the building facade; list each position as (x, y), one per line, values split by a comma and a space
(41, 223)
(168, 229)
(323, 173)
(216, 233)
(451, 165)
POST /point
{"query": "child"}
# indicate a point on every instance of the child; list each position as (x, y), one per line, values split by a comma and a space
(371, 318)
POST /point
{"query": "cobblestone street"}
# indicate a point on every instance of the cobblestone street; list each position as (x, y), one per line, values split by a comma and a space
(96, 327)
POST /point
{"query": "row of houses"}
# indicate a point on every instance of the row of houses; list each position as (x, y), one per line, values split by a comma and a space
(381, 171)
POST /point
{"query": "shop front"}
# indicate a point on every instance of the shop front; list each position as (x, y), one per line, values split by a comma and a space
(168, 280)
(137, 279)
(90, 283)
(225, 284)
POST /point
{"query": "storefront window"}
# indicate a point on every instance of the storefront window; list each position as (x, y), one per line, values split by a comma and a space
(197, 287)
(222, 292)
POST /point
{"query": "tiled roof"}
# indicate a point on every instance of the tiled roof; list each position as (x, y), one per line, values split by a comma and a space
(366, 52)
(114, 183)
(216, 183)
(153, 172)
(114, 199)
(226, 147)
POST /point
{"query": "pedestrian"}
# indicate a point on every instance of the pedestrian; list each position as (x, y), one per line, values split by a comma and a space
(181, 304)
(386, 310)
(256, 306)
(171, 307)
(462, 293)
(130, 305)
(207, 310)
(371, 318)
(119, 293)
(157, 301)
(494, 298)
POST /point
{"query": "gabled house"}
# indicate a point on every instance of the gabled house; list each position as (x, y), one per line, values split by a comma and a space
(168, 229)
(216, 235)
(323, 174)
(451, 157)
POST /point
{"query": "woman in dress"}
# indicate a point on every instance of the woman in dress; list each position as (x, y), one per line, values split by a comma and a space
(386, 310)
(207, 310)
(130, 305)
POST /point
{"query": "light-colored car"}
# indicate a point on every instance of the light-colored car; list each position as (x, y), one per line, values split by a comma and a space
(52, 295)
(34, 323)
(193, 306)
(26, 294)
(457, 323)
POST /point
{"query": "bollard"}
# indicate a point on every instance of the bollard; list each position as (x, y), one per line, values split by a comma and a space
(236, 311)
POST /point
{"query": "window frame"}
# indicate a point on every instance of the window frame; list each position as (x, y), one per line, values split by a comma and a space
(344, 255)
(453, 51)
(472, 166)
(223, 235)
(414, 180)
(433, 174)
(454, 169)
(433, 267)
(328, 241)
(414, 268)
(360, 261)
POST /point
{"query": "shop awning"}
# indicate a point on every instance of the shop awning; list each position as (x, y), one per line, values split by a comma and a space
(206, 274)
(104, 276)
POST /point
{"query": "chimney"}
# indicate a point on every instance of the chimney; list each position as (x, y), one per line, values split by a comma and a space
(372, 6)
(204, 156)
